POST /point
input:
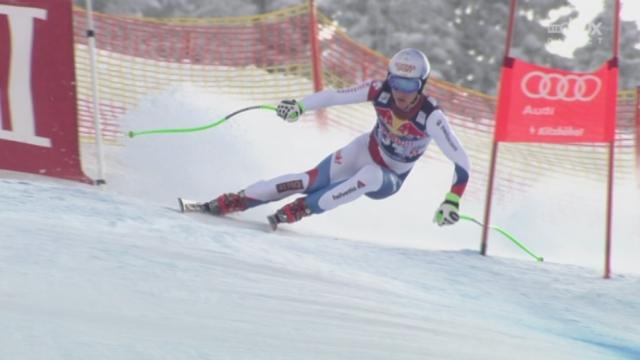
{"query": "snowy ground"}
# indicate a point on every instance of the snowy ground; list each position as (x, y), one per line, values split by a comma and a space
(117, 273)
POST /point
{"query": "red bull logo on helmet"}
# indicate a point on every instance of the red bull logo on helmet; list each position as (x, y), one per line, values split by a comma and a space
(405, 68)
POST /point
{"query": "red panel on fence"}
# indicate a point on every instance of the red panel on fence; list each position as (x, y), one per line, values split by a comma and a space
(39, 132)
(544, 105)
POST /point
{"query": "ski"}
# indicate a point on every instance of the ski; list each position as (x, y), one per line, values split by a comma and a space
(192, 206)
(273, 222)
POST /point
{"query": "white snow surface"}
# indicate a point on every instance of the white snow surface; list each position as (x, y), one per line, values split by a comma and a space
(116, 272)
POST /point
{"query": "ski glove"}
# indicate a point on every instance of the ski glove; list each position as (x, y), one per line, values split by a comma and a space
(447, 213)
(290, 110)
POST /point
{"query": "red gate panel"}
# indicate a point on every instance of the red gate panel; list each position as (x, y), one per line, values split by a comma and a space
(39, 131)
(545, 105)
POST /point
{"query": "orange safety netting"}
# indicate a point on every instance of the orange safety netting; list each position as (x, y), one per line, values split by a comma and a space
(268, 57)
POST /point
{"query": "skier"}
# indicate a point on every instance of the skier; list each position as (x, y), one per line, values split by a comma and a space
(374, 164)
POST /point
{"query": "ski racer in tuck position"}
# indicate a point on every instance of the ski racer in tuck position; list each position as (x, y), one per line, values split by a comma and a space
(374, 164)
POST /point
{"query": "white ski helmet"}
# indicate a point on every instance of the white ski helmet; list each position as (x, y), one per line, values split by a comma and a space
(408, 70)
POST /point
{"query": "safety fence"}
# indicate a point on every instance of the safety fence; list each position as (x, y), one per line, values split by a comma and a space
(268, 57)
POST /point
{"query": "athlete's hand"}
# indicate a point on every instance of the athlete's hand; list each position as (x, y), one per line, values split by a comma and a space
(447, 213)
(290, 110)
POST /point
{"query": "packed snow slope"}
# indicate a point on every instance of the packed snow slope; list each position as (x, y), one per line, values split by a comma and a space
(117, 272)
(87, 274)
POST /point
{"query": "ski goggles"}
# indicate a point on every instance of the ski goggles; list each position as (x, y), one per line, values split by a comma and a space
(403, 84)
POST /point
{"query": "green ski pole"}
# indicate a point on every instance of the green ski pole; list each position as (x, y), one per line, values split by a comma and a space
(506, 234)
(199, 128)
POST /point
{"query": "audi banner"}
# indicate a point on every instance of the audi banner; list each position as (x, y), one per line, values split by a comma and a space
(545, 105)
(38, 114)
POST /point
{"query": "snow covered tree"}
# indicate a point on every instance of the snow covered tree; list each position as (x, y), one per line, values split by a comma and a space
(600, 47)
(464, 39)
(178, 8)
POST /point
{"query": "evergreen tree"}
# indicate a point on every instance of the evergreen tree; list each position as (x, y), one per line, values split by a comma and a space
(464, 39)
(600, 48)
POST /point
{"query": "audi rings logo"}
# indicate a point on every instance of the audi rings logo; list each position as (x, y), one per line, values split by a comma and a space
(571, 87)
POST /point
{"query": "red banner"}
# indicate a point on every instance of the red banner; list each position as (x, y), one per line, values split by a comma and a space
(38, 114)
(544, 105)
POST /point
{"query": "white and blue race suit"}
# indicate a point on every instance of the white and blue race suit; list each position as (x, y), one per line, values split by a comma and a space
(374, 164)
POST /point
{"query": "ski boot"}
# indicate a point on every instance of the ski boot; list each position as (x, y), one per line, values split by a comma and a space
(222, 205)
(289, 213)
